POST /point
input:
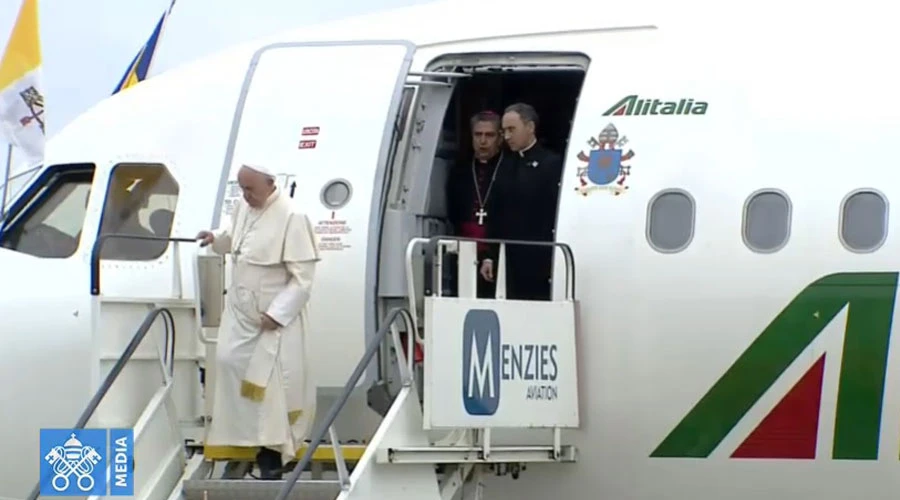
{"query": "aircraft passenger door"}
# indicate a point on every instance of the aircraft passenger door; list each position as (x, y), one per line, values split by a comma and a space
(322, 116)
(416, 205)
(421, 145)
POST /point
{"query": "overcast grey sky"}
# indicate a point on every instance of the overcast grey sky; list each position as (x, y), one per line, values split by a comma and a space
(87, 44)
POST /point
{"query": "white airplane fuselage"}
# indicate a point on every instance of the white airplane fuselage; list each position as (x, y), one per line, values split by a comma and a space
(759, 165)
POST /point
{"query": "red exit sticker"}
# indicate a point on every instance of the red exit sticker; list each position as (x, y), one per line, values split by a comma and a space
(306, 145)
(310, 131)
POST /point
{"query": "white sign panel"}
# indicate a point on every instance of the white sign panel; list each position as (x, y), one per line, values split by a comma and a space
(498, 363)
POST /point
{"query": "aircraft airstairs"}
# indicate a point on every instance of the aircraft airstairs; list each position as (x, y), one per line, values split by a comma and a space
(474, 350)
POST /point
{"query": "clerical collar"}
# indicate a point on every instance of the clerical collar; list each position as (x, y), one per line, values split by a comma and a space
(523, 151)
(487, 162)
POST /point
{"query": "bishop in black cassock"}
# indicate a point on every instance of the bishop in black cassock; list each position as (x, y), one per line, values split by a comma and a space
(527, 198)
(472, 188)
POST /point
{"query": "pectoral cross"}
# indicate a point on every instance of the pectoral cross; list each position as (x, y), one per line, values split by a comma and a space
(481, 214)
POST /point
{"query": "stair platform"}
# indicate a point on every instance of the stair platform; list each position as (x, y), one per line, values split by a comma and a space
(251, 489)
(323, 454)
(475, 454)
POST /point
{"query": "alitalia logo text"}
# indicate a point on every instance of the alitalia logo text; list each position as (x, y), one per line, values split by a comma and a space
(635, 105)
(858, 361)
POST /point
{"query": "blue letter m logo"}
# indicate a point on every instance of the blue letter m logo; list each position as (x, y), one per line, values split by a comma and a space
(481, 362)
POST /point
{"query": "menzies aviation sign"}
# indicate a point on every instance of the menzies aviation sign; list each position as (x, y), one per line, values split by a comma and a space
(790, 430)
(488, 363)
(506, 369)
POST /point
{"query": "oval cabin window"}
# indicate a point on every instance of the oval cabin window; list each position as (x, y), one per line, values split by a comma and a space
(336, 194)
(767, 221)
(670, 221)
(863, 225)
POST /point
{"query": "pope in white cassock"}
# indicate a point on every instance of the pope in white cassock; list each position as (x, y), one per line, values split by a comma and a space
(264, 397)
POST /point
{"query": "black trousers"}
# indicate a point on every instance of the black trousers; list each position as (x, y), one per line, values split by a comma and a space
(485, 289)
(528, 272)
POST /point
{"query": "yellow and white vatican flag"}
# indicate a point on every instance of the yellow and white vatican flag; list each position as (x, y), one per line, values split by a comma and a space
(21, 94)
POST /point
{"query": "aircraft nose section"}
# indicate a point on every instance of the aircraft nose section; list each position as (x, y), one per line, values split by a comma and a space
(46, 341)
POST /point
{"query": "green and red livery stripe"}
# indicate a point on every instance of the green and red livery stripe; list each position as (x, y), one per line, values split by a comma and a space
(860, 397)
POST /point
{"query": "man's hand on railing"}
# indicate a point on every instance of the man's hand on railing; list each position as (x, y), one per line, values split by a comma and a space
(487, 270)
(205, 238)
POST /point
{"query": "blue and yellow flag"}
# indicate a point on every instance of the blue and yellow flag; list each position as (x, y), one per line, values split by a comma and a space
(140, 65)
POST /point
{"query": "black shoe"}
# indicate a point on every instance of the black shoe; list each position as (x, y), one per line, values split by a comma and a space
(236, 470)
(270, 465)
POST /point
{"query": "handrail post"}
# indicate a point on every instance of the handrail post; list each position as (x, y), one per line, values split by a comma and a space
(500, 272)
(176, 271)
(411, 285)
(339, 462)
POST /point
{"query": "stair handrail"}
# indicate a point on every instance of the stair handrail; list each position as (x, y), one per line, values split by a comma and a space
(103, 238)
(431, 247)
(371, 349)
(139, 336)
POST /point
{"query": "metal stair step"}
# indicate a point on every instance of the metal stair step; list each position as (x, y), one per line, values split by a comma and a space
(324, 453)
(253, 489)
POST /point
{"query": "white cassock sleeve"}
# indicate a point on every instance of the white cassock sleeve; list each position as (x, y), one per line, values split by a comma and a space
(289, 303)
(300, 255)
(222, 242)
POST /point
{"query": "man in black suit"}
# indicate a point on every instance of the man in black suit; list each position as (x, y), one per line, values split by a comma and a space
(527, 198)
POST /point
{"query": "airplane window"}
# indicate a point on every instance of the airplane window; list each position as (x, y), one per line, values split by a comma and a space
(336, 194)
(670, 221)
(767, 221)
(140, 201)
(864, 221)
(49, 223)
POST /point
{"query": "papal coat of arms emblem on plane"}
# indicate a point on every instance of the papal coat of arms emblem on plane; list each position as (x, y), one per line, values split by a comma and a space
(605, 167)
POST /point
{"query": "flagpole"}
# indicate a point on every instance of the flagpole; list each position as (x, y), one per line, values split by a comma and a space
(9, 150)
(160, 36)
